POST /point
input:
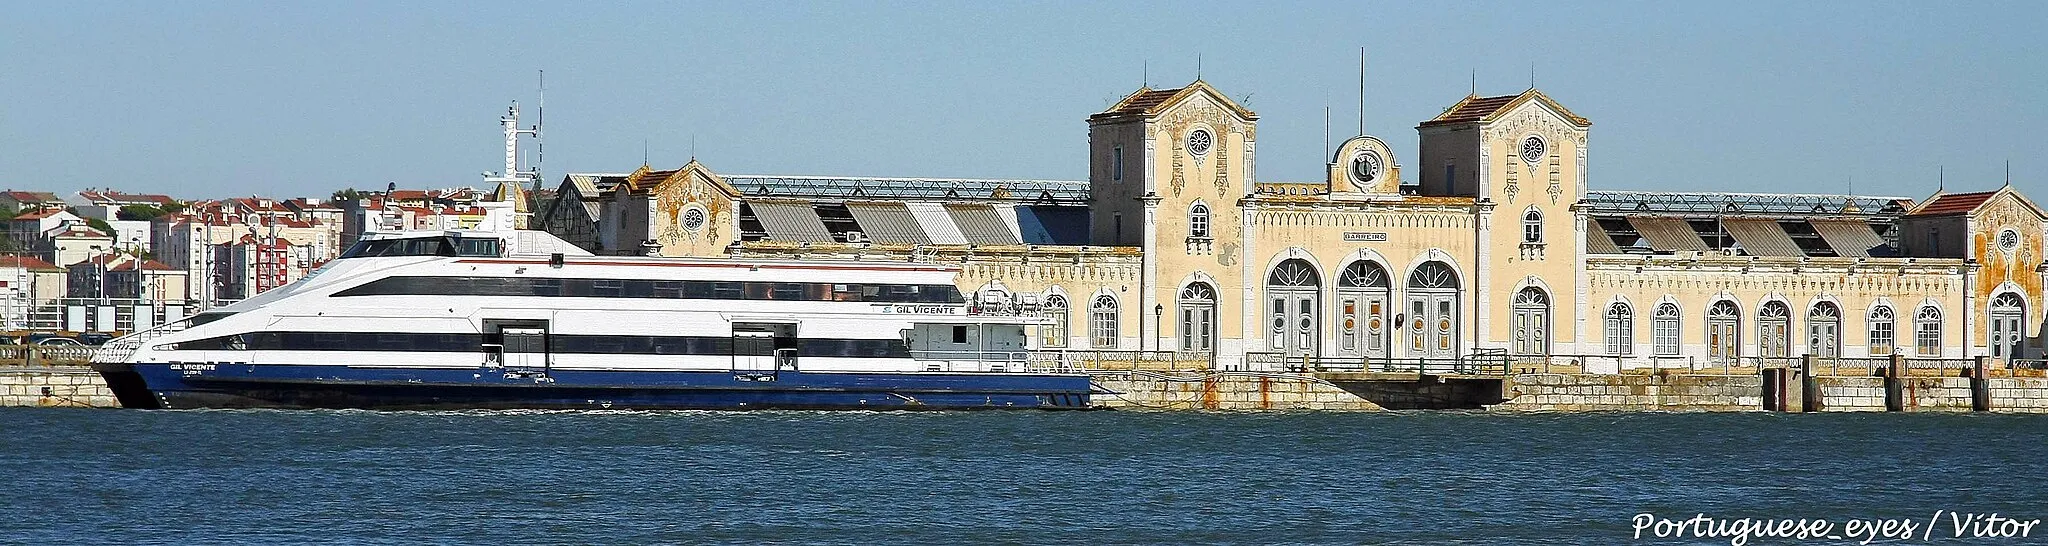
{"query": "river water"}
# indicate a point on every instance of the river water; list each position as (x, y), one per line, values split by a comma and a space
(184, 477)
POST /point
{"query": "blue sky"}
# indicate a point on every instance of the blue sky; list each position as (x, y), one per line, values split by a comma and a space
(300, 98)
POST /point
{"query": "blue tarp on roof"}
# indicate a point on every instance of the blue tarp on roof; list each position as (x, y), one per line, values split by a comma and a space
(1048, 225)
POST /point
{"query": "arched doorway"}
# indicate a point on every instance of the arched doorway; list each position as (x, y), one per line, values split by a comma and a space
(1433, 311)
(2007, 311)
(1824, 330)
(1198, 318)
(1724, 332)
(1293, 293)
(1532, 322)
(1773, 326)
(1363, 291)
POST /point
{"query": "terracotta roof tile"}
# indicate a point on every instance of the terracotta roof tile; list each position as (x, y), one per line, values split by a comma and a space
(1954, 203)
(1473, 108)
(28, 262)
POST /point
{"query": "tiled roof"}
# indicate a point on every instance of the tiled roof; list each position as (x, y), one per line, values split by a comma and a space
(28, 262)
(1139, 102)
(1147, 101)
(1473, 108)
(148, 265)
(31, 196)
(1953, 203)
(1476, 108)
(39, 214)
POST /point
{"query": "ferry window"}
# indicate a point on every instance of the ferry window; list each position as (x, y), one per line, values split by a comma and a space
(758, 290)
(959, 334)
(637, 289)
(845, 292)
(476, 247)
(698, 290)
(726, 290)
(789, 291)
(576, 288)
(606, 288)
(204, 318)
(546, 287)
(667, 289)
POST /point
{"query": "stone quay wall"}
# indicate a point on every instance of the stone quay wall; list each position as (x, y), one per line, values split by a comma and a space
(54, 386)
(1222, 391)
(1608, 392)
(1680, 392)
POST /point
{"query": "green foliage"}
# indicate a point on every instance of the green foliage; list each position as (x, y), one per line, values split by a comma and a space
(140, 212)
(101, 225)
(348, 194)
(174, 208)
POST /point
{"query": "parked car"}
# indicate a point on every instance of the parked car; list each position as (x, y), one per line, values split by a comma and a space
(52, 340)
(95, 338)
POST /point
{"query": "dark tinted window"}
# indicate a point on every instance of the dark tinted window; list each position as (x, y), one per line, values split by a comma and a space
(636, 288)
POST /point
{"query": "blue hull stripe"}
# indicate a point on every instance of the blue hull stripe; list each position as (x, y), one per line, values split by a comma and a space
(334, 386)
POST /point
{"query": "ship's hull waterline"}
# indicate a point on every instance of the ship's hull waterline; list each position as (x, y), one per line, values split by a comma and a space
(329, 386)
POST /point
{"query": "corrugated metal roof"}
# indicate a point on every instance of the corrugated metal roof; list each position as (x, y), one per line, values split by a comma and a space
(980, 224)
(1760, 237)
(1848, 237)
(887, 222)
(792, 221)
(1598, 241)
(937, 224)
(1667, 234)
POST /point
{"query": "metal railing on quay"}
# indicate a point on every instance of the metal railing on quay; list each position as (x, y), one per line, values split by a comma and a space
(1478, 364)
(1152, 361)
(46, 355)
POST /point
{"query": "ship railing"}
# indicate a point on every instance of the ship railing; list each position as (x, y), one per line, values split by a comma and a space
(120, 348)
(973, 361)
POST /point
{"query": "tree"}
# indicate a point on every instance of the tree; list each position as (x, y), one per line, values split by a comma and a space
(139, 212)
(101, 225)
(174, 207)
(348, 194)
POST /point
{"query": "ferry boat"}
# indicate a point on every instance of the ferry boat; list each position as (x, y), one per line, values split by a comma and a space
(498, 317)
(521, 319)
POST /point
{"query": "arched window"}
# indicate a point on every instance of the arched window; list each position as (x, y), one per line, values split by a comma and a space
(1363, 294)
(1532, 226)
(1724, 332)
(1293, 296)
(1664, 329)
(1824, 330)
(1198, 221)
(1927, 331)
(1532, 322)
(1054, 332)
(1883, 335)
(1773, 330)
(1198, 318)
(1102, 322)
(1621, 335)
